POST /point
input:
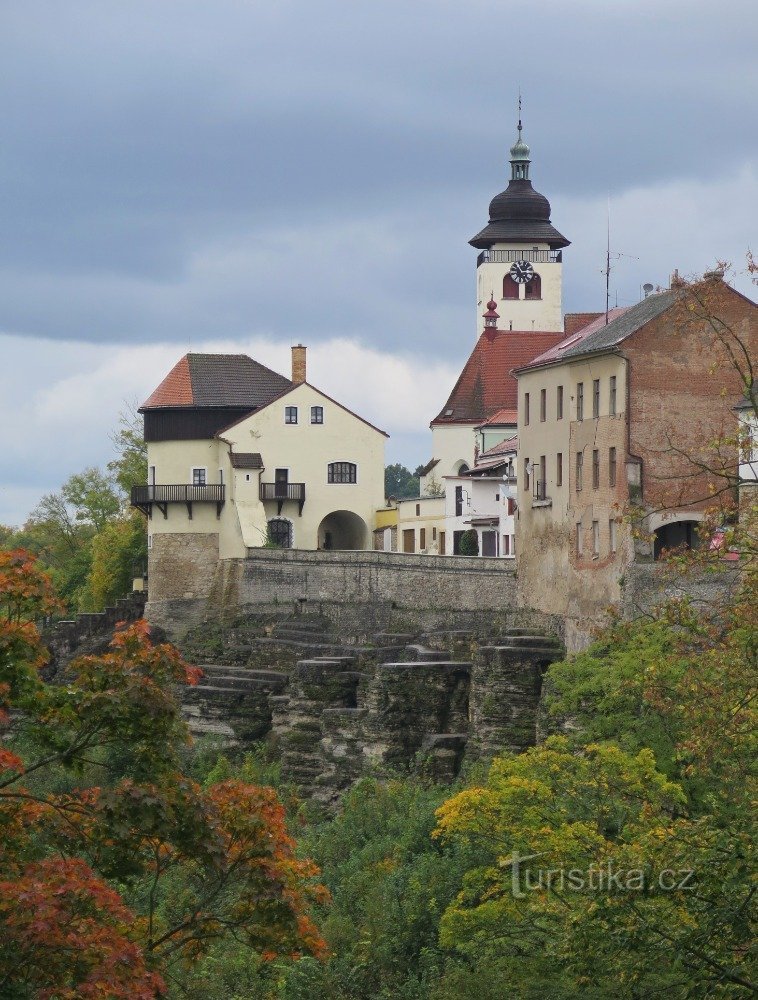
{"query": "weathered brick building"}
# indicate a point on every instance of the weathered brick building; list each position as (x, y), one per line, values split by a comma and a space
(624, 414)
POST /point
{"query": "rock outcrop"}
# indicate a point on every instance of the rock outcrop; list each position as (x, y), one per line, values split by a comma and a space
(336, 710)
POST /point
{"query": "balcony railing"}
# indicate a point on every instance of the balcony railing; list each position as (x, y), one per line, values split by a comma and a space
(540, 493)
(511, 256)
(282, 492)
(145, 497)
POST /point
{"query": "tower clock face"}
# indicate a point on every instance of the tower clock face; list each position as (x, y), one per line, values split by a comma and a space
(522, 272)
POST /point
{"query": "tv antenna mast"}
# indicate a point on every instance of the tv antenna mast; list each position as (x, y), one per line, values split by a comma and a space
(607, 269)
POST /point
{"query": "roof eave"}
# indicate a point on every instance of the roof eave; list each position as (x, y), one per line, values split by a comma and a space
(614, 349)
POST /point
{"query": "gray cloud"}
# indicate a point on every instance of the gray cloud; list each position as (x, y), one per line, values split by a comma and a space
(138, 138)
(176, 171)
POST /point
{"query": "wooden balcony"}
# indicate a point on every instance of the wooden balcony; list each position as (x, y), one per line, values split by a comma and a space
(144, 498)
(281, 493)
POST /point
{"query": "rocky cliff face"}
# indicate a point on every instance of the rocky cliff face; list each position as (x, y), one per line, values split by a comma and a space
(335, 709)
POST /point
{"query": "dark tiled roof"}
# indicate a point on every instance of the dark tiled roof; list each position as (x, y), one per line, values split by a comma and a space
(246, 460)
(557, 352)
(623, 326)
(486, 385)
(429, 466)
(217, 380)
(521, 231)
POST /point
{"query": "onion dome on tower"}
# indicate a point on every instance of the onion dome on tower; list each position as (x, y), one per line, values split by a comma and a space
(519, 214)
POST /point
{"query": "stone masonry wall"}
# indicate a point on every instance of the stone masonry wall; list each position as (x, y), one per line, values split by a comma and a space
(361, 592)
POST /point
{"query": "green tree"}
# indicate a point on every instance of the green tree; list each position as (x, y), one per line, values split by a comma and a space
(401, 482)
(92, 497)
(595, 881)
(117, 550)
(469, 545)
(129, 467)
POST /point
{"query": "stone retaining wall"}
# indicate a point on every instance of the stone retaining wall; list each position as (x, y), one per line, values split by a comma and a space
(360, 592)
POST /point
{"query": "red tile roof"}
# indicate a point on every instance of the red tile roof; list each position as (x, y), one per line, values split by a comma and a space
(504, 448)
(501, 417)
(486, 385)
(175, 389)
(217, 380)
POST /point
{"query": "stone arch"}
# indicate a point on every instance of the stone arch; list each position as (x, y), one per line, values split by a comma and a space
(342, 529)
(676, 534)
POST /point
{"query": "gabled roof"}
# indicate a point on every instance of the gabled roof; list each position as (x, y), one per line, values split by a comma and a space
(628, 322)
(246, 460)
(217, 380)
(485, 385)
(291, 387)
(557, 352)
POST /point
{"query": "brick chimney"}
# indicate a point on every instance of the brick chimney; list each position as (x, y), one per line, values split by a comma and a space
(298, 364)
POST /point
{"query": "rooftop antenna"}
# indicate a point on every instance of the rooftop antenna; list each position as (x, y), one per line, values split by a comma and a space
(519, 113)
(647, 288)
(607, 270)
(608, 260)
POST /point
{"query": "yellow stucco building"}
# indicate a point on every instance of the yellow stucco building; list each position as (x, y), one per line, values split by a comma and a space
(240, 454)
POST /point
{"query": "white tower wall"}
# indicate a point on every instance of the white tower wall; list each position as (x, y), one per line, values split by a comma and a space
(544, 313)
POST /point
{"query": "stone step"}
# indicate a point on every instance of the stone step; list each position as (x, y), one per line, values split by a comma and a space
(531, 638)
(444, 741)
(235, 682)
(214, 692)
(394, 638)
(231, 670)
(550, 651)
(301, 626)
(300, 635)
(446, 665)
(420, 654)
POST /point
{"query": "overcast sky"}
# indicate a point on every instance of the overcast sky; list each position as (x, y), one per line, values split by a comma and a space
(241, 175)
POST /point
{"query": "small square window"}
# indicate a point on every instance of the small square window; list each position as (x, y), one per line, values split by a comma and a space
(290, 414)
(317, 414)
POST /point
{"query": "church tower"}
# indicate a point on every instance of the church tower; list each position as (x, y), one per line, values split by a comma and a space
(521, 257)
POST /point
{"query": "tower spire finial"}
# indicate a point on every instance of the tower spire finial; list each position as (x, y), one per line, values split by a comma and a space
(519, 113)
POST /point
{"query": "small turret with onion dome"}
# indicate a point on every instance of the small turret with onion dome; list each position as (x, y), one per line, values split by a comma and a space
(491, 316)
